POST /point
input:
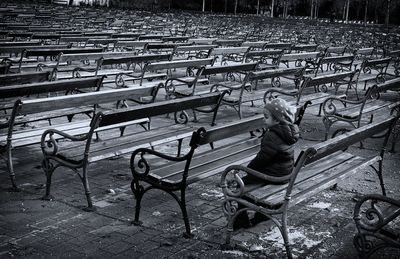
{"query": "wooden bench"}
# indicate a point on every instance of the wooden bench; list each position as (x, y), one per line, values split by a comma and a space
(316, 168)
(373, 70)
(318, 86)
(26, 78)
(160, 70)
(296, 74)
(266, 59)
(373, 235)
(334, 63)
(235, 73)
(193, 51)
(336, 110)
(39, 109)
(86, 151)
(309, 58)
(9, 93)
(177, 173)
(232, 54)
(113, 66)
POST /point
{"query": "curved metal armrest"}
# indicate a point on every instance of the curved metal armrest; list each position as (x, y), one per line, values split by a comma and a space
(329, 106)
(77, 69)
(374, 218)
(141, 167)
(269, 94)
(230, 88)
(237, 188)
(49, 144)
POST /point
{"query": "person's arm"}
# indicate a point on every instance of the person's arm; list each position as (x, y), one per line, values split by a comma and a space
(265, 156)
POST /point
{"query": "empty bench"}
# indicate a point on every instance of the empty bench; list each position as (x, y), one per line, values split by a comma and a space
(85, 151)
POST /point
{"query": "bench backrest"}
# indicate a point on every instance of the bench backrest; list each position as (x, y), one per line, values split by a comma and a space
(338, 143)
(305, 47)
(279, 45)
(178, 64)
(48, 87)
(158, 108)
(392, 85)
(347, 139)
(300, 56)
(327, 79)
(25, 78)
(227, 51)
(378, 64)
(83, 99)
(246, 67)
(270, 73)
(339, 50)
(203, 136)
(133, 59)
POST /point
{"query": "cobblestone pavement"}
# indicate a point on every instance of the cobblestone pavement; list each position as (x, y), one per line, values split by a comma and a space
(321, 227)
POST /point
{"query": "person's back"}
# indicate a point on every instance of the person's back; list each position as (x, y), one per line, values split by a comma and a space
(276, 155)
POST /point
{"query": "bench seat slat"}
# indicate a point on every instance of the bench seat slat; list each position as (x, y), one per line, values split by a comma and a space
(208, 163)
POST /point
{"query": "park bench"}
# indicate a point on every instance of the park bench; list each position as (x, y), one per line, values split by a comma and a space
(361, 54)
(235, 73)
(313, 89)
(338, 110)
(395, 55)
(202, 41)
(295, 74)
(301, 59)
(266, 59)
(231, 54)
(5, 67)
(335, 51)
(112, 65)
(373, 235)
(193, 51)
(254, 45)
(156, 70)
(228, 42)
(305, 48)
(334, 63)
(34, 110)
(85, 151)
(316, 168)
(26, 78)
(287, 47)
(373, 70)
(193, 166)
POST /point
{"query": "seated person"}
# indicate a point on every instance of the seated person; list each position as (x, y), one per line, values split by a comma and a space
(276, 155)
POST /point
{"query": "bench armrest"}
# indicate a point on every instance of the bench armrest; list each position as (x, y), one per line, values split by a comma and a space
(272, 93)
(49, 144)
(140, 167)
(75, 71)
(330, 106)
(235, 186)
(375, 216)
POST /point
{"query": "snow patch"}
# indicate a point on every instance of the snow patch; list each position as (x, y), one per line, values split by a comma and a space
(320, 205)
(156, 213)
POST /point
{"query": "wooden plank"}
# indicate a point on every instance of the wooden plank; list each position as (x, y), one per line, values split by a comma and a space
(159, 108)
(229, 68)
(46, 87)
(349, 138)
(179, 64)
(24, 78)
(76, 100)
(232, 129)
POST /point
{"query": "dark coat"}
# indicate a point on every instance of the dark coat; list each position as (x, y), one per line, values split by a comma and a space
(276, 156)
